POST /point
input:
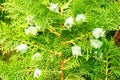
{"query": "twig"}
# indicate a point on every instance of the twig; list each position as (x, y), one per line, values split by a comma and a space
(1, 8)
(65, 6)
(61, 72)
(62, 63)
(53, 31)
(71, 41)
(77, 38)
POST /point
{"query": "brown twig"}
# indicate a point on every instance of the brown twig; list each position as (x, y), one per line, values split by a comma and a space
(62, 63)
(65, 6)
(1, 8)
(61, 72)
(71, 41)
(53, 31)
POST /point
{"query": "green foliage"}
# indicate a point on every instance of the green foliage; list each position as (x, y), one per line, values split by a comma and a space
(54, 41)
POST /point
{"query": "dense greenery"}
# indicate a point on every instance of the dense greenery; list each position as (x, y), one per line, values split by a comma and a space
(54, 41)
